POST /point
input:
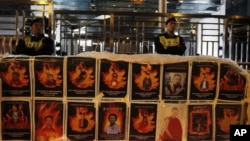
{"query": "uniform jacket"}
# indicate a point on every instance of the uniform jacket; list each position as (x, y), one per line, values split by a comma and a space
(164, 44)
(33, 46)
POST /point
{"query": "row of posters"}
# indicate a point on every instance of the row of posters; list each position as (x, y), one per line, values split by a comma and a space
(83, 77)
(87, 121)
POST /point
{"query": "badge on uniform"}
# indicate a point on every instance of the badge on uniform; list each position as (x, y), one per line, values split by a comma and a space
(169, 42)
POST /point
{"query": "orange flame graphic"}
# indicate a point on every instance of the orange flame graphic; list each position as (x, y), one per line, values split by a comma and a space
(49, 75)
(15, 118)
(232, 80)
(144, 122)
(118, 111)
(15, 75)
(43, 110)
(82, 76)
(83, 120)
(114, 78)
(147, 74)
(231, 117)
(201, 125)
(205, 73)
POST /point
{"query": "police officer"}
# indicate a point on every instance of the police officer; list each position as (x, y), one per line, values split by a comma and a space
(169, 43)
(36, 43)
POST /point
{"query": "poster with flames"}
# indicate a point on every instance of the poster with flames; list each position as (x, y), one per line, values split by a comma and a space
(232, 83)
(15, 75)
(113, 78)
(81, 74)
(175, 77)
(16, 120)
(48, 73)
(172, 121)
(48, 120)
(226, 115)
(143, 121)
(112, 121)
(81, 121)
(203, 80)
(200, 122)
(145, 81)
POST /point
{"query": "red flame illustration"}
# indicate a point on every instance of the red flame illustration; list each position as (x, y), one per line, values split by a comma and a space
(15, 118)
(144, 122)
(205, 73)
(147, 73)
(114, 78)
(44, 110)
(230, 117)
(49, 76)
(76, 122)
(200, 117)
(15, 75)
(232, 80)
(82, 76)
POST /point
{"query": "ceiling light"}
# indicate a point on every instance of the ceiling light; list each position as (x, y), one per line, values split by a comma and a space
(137, 2)
(41, 1)
(102, 17)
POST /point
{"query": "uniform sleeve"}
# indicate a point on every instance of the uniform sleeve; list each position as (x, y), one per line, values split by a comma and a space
(182, 46)
(158, 46)
(177, 50)
(47, 47)
(22, 49)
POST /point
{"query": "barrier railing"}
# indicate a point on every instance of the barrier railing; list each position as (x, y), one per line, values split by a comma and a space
(134, 32)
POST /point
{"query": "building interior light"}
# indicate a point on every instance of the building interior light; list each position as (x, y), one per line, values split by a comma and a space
(137, 2)
(102, 17)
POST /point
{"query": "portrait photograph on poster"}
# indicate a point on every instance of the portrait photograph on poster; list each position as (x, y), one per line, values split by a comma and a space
(112, 121)
(16, 120)
(171, 124)
(226, 115)
(81, 121)
(48, 73)
(200, 122)
(203, 80)
(175, 78)
(110, 97)
(113, 79)
(81, 75)
(145, 81)
(232, 83)
(48, 119)
(15, 76)
(142, 121)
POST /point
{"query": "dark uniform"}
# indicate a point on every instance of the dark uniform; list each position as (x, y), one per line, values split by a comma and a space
(35, 45)
(170, 44)
(164, 44)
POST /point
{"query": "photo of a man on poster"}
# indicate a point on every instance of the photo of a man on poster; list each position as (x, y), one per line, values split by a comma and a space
(113, 127)
(15, 121)
(172, 127)
(81, 121)
(112, 116)
(48, 120)
(175, 86)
